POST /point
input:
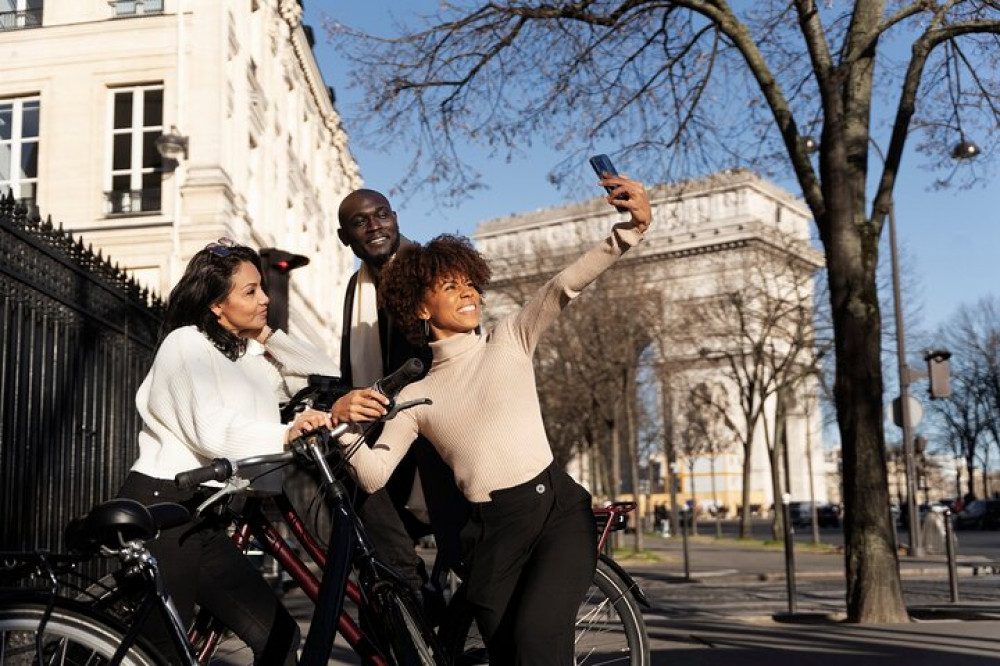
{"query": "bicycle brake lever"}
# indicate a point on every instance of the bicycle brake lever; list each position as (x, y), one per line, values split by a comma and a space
(400, 406)
(234, 485)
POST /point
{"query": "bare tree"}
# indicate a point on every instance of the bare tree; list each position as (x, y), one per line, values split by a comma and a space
(707, 432)
(661, 79)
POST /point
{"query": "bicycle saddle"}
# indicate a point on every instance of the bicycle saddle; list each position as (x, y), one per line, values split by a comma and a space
(120, 520)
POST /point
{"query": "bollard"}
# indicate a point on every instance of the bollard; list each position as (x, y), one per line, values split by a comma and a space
(949, 544)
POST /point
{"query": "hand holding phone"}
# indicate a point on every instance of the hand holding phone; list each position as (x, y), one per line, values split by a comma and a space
(603, 166)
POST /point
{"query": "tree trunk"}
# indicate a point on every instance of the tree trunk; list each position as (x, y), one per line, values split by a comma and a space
(874, 591)
(715, 502)
(669, 453)
(694, 498)
(746, 530)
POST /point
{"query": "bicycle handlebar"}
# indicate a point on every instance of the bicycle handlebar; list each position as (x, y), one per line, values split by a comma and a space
(219, 470)
(391, 385)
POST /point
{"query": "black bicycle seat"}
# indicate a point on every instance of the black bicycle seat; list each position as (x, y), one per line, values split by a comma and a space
(119, 520)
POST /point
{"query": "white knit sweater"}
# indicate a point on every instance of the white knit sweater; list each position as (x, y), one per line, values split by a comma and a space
(196, 404)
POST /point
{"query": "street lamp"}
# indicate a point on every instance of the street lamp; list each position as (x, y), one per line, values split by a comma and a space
(964, 149)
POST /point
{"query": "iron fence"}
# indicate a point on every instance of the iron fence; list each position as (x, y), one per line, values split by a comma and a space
(77, 336)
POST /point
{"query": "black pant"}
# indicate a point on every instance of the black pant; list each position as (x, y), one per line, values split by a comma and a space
(200, 564)
(532, 551)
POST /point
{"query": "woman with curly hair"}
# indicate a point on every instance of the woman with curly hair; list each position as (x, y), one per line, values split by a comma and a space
(530, 545)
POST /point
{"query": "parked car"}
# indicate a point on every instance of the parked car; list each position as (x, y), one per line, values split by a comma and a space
(828, 515)
(981, 514)
(800, 514)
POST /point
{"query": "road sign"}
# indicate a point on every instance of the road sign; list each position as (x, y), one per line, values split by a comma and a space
(895, 411)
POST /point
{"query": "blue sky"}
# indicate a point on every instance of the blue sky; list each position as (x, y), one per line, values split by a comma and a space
(949, 239)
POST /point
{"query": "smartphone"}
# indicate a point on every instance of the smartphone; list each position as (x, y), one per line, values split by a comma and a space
(602, 165)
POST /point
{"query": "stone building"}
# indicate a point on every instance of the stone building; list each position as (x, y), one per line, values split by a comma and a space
(254, 150)
(723, 239)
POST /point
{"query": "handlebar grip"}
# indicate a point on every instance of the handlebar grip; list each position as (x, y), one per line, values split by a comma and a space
(220, 470)
(390, 386)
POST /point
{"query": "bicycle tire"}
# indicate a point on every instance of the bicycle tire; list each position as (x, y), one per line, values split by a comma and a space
(74, 633)
(610, 628)
(410, 641)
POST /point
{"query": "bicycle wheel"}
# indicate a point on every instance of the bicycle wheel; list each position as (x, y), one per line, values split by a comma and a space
(609, 627)
(406, 634)
(73, 636)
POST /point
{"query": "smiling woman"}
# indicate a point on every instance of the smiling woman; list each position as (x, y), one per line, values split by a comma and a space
(243, 312)
(529, 545)
(213, 391)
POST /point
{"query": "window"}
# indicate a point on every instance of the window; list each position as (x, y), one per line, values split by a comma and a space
(18, 14)
(136, 7)
(19, 147)
(134, 178)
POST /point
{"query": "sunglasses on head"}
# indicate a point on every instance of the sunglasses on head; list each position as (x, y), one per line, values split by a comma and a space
(221, 247)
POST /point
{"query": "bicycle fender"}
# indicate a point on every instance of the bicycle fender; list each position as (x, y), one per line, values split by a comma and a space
(630, 583)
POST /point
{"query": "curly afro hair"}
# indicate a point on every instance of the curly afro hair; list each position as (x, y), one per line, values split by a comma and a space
(416, 269)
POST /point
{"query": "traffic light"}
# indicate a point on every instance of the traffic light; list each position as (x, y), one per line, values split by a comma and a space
(277, 264)
(938, 372)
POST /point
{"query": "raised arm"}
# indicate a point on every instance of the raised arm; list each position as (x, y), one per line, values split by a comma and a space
(296, 359)
(542, 309)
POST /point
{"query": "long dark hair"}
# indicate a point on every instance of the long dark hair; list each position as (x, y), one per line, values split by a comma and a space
(207, 280)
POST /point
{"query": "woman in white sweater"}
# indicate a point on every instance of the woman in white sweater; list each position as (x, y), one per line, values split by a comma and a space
(213, 391)
(531, 543)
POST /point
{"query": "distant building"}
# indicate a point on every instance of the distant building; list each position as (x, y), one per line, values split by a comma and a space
(704, 234)
(88, 88)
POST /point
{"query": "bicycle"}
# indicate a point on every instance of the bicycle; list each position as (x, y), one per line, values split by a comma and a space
(610, 623)
(42, 618)
(102, 624)
(610, 626)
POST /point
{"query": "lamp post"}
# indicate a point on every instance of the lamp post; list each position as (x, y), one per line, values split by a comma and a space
(965, 149)
(173, 147)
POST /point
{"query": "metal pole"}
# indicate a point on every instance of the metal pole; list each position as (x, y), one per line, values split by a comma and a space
(913, 530)
(684, 538)
(175, 228)
(786, 513)
(949, 544)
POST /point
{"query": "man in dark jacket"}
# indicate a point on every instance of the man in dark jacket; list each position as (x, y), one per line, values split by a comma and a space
(372, 347)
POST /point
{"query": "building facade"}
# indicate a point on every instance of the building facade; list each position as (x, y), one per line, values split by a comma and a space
(712, 239)
(254, 149)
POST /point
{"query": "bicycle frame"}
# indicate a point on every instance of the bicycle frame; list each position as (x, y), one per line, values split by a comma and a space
(348, 545)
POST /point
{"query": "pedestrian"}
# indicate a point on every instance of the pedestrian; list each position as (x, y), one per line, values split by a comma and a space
(530, 544)
(213, 390)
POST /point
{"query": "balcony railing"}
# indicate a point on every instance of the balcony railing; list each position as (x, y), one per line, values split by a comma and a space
(137, 7)
(131, 202)
(27, 18)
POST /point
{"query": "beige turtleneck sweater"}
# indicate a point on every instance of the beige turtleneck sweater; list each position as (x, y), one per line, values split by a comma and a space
(485, 419)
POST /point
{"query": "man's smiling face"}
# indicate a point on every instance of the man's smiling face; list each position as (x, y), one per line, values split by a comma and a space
(368, 226)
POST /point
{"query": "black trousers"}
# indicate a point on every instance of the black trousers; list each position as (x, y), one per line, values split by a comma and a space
(201, 565)
(532, 551)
